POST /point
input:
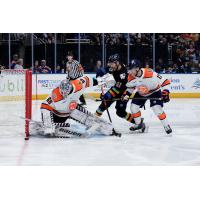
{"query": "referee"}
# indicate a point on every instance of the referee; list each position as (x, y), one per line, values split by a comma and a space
(74, 70)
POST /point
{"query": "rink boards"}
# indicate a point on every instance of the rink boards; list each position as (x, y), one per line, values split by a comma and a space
(182, 85)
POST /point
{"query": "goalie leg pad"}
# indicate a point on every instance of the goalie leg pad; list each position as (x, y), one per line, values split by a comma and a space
(47, 119)
(66, 132)
(89, 120)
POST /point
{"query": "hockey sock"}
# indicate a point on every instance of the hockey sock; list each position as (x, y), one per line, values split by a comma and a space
(159, 112)
(136, 114)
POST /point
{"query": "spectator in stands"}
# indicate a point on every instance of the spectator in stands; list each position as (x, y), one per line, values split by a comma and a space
(100, 70)
(162, 48)
(98, 64)
(59, 70)
(2, 67)
(36, 68)
(160, 66)
(14, 60)
(198, 67)
(170, 70)
(146, 65)
(145, 40)
(180, 68)
(169, 48)
(44, 69)
(19, 64)
(191, 52)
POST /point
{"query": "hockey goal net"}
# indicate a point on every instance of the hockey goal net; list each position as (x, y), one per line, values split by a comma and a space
(16, 99)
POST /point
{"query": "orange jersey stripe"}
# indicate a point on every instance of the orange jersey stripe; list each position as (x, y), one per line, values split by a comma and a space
(87, 81)
(166, 82)
(46, 106)
(56, 95)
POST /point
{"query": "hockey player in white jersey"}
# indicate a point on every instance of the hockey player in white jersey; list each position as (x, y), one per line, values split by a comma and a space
(147, 84)
(62, 104)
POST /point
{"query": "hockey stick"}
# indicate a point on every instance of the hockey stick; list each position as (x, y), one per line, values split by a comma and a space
(114, 132)
(116, 99)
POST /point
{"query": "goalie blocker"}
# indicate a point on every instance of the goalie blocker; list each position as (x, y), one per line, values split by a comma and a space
(62, 104)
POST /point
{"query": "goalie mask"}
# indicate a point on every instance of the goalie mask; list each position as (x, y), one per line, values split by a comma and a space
(65, 88)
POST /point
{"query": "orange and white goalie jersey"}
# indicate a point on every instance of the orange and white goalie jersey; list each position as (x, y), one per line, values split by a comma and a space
(147, 84)
(61, 106)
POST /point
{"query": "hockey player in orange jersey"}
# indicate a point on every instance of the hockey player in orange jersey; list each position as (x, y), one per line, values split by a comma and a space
(147, 84)
(62, 104)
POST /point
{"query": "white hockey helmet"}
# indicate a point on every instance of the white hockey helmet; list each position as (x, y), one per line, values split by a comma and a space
(65, 87)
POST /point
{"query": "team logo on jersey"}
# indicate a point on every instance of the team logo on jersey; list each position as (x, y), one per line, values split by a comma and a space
(72, 105)
(123, 76)
(142, 89)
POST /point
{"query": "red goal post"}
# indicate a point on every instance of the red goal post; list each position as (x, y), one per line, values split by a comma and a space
(16, 85)
(28, 100)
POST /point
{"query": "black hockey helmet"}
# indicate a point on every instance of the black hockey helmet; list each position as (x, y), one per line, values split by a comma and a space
(134, 64)
(114, 58)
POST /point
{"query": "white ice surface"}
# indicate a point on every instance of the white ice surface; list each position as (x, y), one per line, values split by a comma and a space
(152, 148)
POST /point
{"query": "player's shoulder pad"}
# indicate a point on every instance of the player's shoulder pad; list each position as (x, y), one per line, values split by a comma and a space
(77, 84)
(147, 73)
(56, 95)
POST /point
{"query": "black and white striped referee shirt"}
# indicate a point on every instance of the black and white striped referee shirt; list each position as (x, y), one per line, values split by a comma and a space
(74, 69)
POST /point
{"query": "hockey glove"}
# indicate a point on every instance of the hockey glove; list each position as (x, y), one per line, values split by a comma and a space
(165, 96)
(125, 97)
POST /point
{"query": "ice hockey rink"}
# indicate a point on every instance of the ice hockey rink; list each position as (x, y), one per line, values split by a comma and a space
(152, 148)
